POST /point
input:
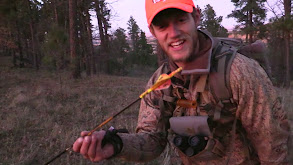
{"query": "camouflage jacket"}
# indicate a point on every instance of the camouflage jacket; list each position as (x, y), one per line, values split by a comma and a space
(259, 111)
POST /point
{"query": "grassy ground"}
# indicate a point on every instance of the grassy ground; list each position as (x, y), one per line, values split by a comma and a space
(42, 113)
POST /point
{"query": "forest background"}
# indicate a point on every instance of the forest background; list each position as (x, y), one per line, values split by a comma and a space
(60, 74)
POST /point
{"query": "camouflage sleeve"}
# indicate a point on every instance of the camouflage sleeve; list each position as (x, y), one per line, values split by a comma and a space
(260, 111)
(151, 136)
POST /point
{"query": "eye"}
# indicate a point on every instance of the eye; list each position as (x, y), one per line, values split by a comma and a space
(182, 19)
(161, 26)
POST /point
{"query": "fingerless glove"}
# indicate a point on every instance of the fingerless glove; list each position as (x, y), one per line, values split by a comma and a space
(111, 137)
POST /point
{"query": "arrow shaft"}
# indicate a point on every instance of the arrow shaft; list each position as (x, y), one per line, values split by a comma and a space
(93, 130)
(112, 117)
(156, 85)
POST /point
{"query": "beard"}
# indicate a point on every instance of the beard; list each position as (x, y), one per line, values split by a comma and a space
(163, 55)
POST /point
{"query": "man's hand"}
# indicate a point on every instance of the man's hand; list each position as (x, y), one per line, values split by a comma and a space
(90, 146)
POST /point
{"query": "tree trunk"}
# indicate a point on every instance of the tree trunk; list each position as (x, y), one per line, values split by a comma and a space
(90, 42)
(250, 27)
(73, 39)
(100, 7)
(55, 11)
(84, 40)
(106, 36)
(250, 24)
(247, 30)
(287, 8)
(33, 42)
(100, 22)
(20, 50)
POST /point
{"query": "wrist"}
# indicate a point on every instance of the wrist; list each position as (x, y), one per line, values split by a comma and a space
(111, 137)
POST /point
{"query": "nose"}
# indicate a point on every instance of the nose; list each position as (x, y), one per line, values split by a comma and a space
(174, 30)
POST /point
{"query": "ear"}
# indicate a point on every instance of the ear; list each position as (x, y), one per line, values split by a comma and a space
(151, 28)
(196, 16)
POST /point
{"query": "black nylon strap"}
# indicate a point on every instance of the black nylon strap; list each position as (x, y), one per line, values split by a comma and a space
(111, 137)
(219, 78)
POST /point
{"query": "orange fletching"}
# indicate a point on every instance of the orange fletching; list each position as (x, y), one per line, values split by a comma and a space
(162, 82)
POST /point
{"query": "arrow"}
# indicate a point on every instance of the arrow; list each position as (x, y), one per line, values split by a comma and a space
(163, 81)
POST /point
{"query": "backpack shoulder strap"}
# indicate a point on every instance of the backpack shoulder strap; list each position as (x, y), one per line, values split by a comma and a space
(219, 78)
(167, 92)
(167, 101)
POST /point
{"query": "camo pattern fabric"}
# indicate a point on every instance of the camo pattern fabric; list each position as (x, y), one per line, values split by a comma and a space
(259, 110)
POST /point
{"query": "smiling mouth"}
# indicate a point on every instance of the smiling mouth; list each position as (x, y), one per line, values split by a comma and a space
(177, 44)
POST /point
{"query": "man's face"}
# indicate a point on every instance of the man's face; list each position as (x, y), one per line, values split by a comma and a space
(176, 32)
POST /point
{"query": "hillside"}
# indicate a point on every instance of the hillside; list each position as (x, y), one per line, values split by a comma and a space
(42, 112)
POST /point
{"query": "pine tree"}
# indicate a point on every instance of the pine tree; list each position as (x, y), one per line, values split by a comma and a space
(287, 30)
(133, 32)
(145, 51)
(119, 59)
(103, 17)
(121, 46)
(250, 14)
(212, 23)
(75, 65)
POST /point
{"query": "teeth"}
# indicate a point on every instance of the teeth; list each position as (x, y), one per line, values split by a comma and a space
(177, 43)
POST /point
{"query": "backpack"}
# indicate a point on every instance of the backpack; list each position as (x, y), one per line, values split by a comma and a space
(256, 51)
(219, 83)
(221, 61)
(219, 77)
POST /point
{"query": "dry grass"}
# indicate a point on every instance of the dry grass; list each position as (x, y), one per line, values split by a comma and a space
(43, 113)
